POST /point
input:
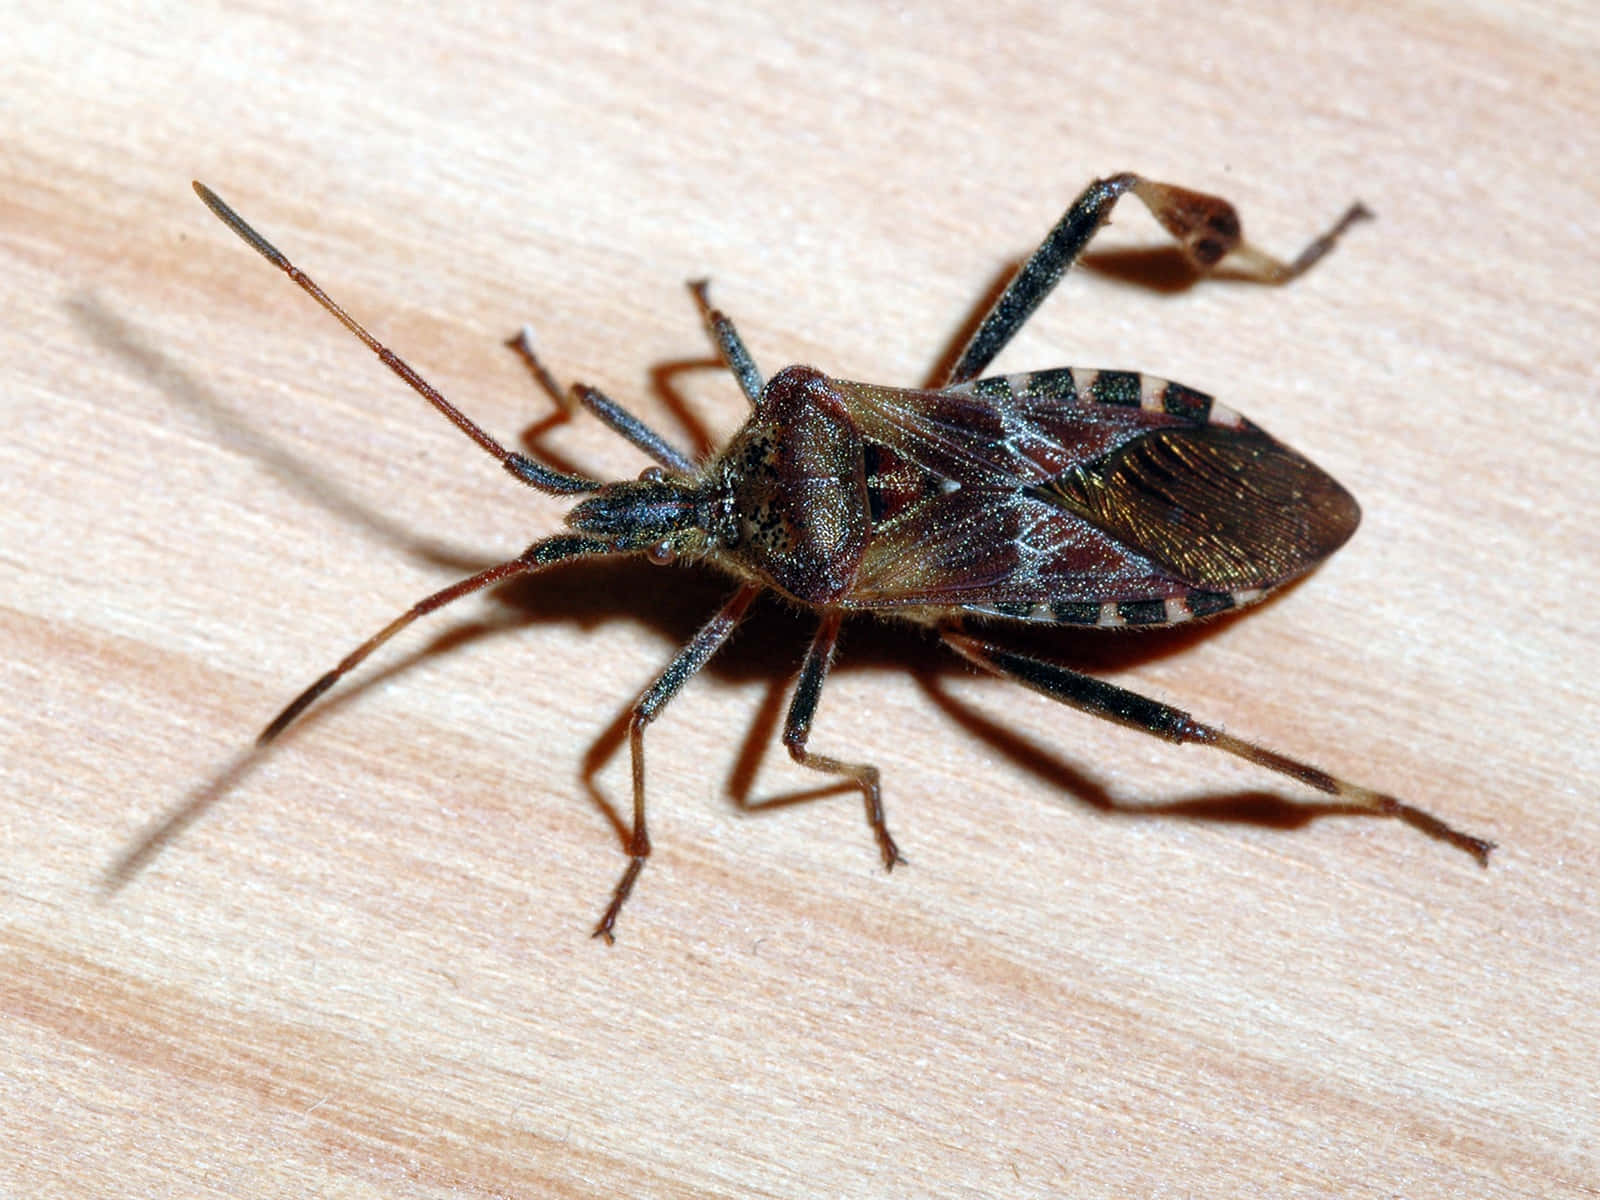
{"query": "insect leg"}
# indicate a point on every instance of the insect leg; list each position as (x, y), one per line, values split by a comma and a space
(1206, 227)
(797, 730)
(544, 553)
(618, 419)
(520, 466)
(679, 671)
(727, 341)
(1117, 704)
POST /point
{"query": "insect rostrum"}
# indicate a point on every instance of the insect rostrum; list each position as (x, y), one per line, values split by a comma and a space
(1066, 496)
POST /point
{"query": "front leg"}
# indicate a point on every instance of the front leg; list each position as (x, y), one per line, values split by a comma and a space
(730, 346)
(797, 731)
(1207, 230)
(612, 414)
(679, 671)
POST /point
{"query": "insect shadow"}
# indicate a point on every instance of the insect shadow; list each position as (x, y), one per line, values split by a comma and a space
(1068, 496)
(768, 652)
(771, 646)
(227, 426)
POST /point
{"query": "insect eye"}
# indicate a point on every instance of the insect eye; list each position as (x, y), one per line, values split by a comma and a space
(652, 474)
(661, 553)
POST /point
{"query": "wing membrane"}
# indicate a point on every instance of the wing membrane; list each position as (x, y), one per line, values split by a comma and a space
(1011, 431)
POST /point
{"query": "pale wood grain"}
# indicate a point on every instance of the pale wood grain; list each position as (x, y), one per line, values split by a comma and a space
(363, 969)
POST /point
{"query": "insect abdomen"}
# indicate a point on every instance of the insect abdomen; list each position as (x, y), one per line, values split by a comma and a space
(1194, 604)
(1081, 497)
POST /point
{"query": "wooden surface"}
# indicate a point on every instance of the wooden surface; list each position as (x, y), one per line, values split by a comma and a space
(360, 967)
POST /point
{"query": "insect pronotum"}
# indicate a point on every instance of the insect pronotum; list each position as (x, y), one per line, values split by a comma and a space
(1066, 496)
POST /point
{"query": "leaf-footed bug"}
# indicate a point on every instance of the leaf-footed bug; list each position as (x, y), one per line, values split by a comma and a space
(1066, 496)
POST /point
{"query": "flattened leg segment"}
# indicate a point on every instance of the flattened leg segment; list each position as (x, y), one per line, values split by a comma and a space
(1206, 227)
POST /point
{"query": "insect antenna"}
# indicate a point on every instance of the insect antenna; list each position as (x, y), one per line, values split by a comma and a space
(520, 466)
(543, 553)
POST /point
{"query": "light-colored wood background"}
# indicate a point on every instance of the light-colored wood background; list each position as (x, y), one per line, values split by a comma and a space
(361, 967)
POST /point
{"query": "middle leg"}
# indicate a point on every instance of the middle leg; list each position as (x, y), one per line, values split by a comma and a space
(797, 731)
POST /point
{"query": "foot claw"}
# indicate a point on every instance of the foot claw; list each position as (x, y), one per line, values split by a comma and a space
(892, 857)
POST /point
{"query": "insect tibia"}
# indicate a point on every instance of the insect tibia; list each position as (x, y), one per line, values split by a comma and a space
(1113, 703)
(1354, 794)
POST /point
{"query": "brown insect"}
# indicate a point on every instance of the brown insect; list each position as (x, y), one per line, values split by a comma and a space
(1067, 496)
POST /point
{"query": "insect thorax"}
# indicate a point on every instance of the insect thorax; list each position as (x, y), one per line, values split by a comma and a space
(796, 477)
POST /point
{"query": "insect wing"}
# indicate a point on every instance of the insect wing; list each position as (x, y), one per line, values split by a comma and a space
(1051, 495)
(1006, 431)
